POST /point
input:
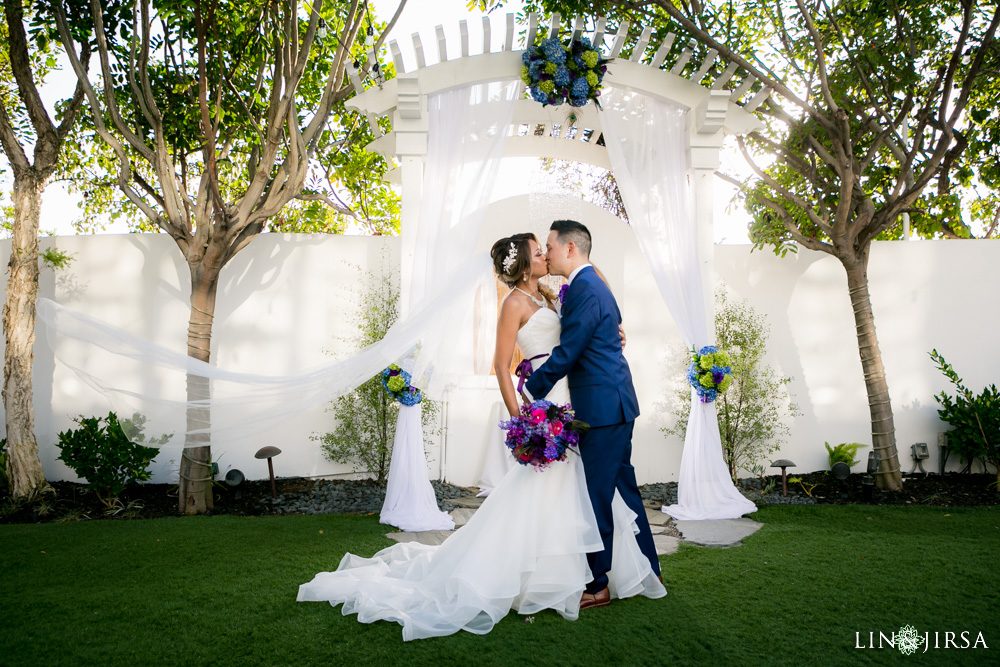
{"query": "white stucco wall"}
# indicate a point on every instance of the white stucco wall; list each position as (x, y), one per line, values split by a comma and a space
(287, 301)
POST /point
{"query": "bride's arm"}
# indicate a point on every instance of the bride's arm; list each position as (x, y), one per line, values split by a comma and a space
(508, 323)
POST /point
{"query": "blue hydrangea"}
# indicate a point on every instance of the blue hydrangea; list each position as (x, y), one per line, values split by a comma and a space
(526, 57)
(535, 68)
(580, 88)
(561, 77)
(578, 101)
(585, 41)
(539, 96)
(553, 51)
(411, 397)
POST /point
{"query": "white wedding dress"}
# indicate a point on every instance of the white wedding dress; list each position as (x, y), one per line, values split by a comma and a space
(525, 549)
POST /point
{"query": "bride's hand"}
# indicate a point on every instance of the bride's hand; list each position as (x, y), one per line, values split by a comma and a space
(621, 332)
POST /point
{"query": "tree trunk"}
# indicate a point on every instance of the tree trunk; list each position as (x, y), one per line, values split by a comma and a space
(24, 469)
(879, 405)
(195, 495)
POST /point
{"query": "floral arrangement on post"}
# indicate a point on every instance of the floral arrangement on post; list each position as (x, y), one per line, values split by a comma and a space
(556, 72)
(542, 433)
(710, 373)
(397, 384)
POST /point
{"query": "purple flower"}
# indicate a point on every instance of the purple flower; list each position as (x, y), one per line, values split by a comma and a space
(562, 293)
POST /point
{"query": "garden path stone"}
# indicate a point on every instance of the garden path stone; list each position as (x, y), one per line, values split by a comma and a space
(656, 517)
(719, 532)
(665, 544)
(428, 537)
(462, 515)
(472, 502)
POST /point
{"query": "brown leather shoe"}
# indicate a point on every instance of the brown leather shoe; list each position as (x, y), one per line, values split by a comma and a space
(601, 598)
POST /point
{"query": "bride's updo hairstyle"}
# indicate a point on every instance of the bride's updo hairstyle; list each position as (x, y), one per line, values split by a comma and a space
(512, 258)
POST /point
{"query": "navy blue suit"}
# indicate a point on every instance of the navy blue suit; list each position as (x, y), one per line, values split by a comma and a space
(589, 355)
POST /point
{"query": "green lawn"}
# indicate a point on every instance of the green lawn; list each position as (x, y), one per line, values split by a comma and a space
(221, 590)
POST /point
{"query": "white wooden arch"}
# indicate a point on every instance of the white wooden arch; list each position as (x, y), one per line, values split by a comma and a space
(667, 70)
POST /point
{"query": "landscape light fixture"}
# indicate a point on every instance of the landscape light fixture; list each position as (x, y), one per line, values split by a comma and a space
(269, 453)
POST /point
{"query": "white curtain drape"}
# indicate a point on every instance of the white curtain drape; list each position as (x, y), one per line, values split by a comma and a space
(467, 127)
(647, 146)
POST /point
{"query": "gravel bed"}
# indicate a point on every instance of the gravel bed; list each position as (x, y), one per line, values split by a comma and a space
(366, 496)
(342, 496)
(666, 493)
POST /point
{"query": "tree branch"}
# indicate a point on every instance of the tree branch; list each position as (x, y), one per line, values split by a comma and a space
(124, 165)
(783, 191)
(20, 65)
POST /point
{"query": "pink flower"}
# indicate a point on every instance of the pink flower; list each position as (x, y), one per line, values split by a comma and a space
(537, 416)
(556, 427)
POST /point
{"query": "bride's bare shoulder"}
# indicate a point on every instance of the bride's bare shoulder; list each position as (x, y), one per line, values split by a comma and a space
(514, 307)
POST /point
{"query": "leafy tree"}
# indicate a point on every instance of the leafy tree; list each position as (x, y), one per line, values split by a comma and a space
(754, 413)
(26, 125)
(868, 105)
(216, 115)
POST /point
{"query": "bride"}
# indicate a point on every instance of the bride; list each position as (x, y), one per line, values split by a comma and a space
(526, 547)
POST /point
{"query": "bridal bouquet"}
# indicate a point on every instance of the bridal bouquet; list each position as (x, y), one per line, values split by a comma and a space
(396, 382)
(542, 433)
(557, 72)
(710, 373)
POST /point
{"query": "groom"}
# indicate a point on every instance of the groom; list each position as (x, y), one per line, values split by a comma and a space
(600, 387)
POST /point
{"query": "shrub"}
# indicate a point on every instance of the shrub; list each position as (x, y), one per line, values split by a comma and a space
(753, 414)
(100, 453)
(844, 452)
(974, 419)
(135, 430)
(366, 417)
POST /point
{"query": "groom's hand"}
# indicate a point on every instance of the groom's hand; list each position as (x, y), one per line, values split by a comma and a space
(621, 332)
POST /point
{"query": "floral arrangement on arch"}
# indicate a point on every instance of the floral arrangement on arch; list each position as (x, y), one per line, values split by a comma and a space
(542, 433)
(557, 72)
(710, 373)
(396, 382)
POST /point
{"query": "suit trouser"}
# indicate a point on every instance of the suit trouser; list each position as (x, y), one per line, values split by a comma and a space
(607, 464)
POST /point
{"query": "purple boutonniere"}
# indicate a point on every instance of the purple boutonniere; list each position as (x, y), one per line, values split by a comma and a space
(562, 293)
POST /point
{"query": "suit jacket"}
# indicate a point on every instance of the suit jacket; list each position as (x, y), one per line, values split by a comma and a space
(589, 355)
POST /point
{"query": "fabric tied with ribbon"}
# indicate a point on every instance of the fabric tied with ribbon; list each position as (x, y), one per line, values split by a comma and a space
(524, 371)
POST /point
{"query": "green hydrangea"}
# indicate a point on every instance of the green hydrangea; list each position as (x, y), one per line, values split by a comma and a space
(525, 75)
(591, 79)
(550, 68)
(705, 380)
(724, 385)
(590, 58)
(547, 87)
(705, 361)
(396, 383)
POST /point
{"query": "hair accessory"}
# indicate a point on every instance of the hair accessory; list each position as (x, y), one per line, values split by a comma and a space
(511, 257)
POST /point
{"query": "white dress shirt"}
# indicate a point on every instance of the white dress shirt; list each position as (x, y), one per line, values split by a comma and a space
(576, 271)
